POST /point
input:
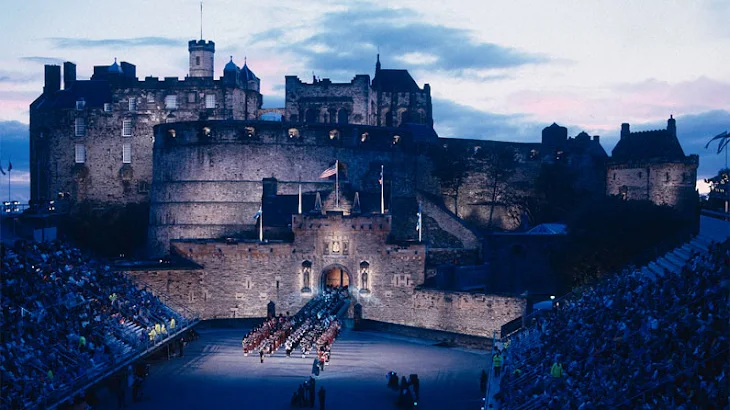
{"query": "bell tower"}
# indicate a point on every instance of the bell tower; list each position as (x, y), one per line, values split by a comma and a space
(201, 58)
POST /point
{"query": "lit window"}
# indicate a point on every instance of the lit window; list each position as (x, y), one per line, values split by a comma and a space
(107, 107)
(126, 128)
(127, 153)
(80, 153)
(171, 102)
(150, 97)
(210, 101)
(79, 127)
(132, 105)
(80, 104)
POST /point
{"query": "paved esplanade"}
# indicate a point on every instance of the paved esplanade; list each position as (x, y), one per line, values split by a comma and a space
(214, 374)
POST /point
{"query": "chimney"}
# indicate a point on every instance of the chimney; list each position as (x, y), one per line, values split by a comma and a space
(625, 131)
(597, 138)
(52, 79)
(69, 74)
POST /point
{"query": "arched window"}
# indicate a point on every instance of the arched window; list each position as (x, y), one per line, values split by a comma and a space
(405, 117)
(388, 119)
(342, 116)
(332, 115)
(311, 115)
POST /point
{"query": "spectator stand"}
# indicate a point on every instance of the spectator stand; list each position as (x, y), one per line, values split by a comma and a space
(608, 340)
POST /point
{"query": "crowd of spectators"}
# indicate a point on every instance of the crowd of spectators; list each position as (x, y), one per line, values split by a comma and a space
(67, 318)
(314, 326)
(632, 341)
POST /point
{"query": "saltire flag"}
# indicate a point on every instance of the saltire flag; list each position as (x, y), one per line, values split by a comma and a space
(258, 215)
(329, 171)
(724, 136)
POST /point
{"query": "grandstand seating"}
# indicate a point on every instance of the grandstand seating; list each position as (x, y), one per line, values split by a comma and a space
(648, 338)
(69, 321)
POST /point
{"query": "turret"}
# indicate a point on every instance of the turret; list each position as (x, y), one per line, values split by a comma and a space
(625, 131)
(672, 126)
(201, 58)
(230, 73)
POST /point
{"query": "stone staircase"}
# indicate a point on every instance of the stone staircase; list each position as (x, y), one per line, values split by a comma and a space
(674, 260)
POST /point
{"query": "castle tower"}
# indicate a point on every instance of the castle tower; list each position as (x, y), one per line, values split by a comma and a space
(672, 126)
(201, 58)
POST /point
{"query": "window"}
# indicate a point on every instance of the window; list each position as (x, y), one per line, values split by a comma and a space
(640, 175)
(614, 176)
(80, 104)
(143, 187)
(197, 60)
(126, 128)
(171, 102)
(127, 153)
(191, 97)
(210, 101)
(132, 104)
(150, 97)
(107, 107)
(80, 154)
(667, 177)
(79, 127)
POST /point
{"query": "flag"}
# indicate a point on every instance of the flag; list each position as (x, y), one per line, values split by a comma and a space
(258, 215)
(329, 171)
(418, 224)
(2, 171)
(10, 166)
(380, 181)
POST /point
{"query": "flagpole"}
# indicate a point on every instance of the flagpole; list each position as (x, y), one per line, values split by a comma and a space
(337, 184)
(261, 224)
(382, 190)
(420, 223)
(300, 198)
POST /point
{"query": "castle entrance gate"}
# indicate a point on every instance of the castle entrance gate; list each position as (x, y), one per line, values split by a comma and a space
(335, 276)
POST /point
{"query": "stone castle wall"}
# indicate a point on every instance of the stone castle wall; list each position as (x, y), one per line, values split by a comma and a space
(103, 177)
(329, 102)
(237, 280)
(664, 183)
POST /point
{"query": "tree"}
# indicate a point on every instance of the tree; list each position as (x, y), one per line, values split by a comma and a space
(719, 195)
(604, 235)
(499, 163)
(450, 167)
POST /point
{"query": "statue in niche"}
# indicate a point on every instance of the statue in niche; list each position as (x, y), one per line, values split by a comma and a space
(364, 286)
(306, 274)
(336, 247)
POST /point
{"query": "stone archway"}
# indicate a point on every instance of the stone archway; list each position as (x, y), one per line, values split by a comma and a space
(335, 275)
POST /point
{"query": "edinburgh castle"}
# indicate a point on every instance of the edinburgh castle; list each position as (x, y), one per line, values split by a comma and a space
(240, 200)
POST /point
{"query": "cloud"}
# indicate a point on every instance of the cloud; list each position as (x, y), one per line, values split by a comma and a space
(13, 77)
(43, 60)
(67, 42)
(345, 41)
(453, 120)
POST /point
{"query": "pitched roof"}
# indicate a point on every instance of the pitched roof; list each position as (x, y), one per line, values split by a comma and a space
(646, 145)
(94, 92)
(395, 81)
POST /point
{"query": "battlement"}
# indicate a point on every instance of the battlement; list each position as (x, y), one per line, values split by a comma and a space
(257, 132)
(359, 79)
(376, 223)
(201, 45)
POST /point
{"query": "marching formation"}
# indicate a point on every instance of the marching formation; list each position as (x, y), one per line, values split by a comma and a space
(312, 330)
